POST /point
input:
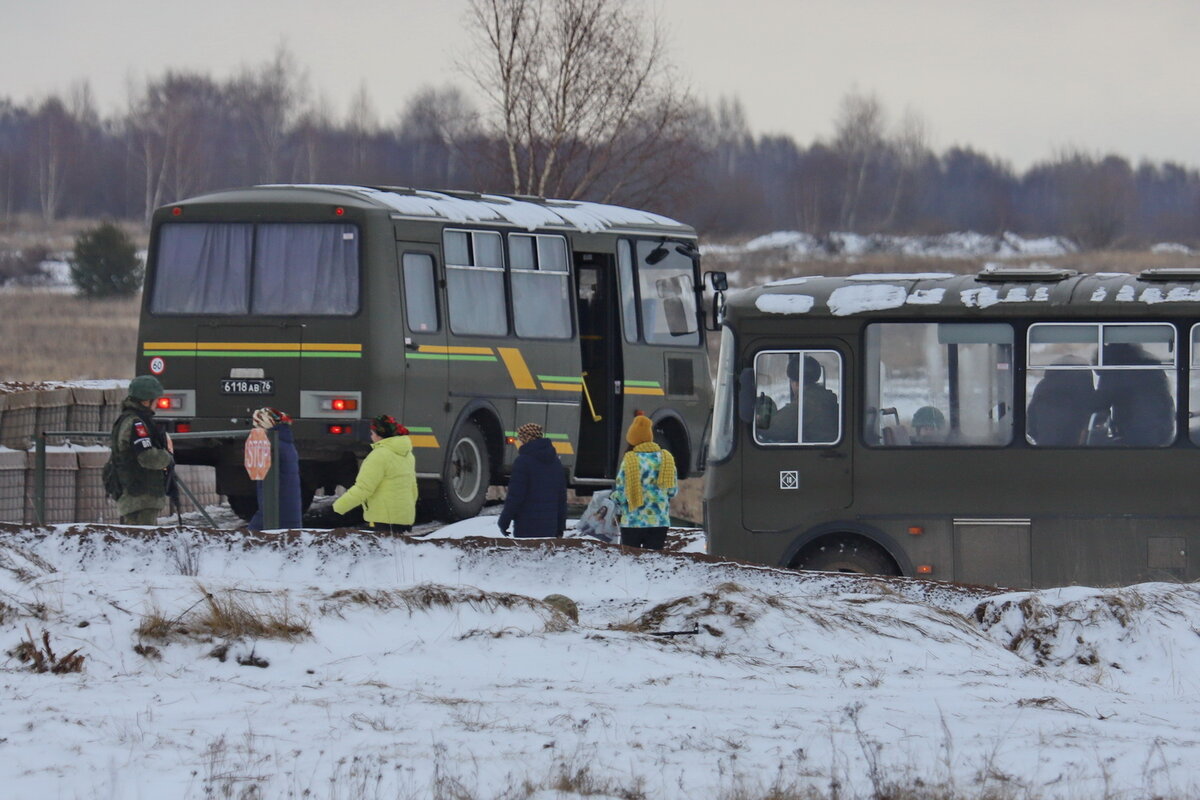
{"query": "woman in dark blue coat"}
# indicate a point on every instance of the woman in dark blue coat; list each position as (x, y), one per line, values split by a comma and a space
(537, 488)
(290, 513)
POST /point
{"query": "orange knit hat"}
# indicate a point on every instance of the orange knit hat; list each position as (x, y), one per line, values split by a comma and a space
(641, 430)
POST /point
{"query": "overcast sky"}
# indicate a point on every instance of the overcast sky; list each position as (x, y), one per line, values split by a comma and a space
(1016, 79)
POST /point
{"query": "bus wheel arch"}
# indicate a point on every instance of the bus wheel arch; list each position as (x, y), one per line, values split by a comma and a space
(670, 433)
(472, 453)
(849, 548)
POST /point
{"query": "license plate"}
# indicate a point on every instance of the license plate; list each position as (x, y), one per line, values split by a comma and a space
(247, 386)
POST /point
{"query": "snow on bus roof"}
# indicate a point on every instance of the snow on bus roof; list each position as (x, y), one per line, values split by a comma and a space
(528, 214)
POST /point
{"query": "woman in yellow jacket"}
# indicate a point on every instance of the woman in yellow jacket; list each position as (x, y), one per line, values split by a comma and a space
(386, 486)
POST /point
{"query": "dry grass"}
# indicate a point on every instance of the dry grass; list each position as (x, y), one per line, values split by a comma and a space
(57, 336)
(41, 658)
(230, 615)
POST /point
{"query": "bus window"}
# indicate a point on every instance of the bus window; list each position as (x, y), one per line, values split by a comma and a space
(420, 297)
(203, 269)
(1194, 388)
(936, 384)
(305, 269)
(721, 441)
(1101, 385)
(798, 397)
(628, 298)
(475, 283)
(668, 298)
(540, 284)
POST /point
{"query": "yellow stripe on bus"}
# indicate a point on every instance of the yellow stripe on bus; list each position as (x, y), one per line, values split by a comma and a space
(562, 387)
(461, 351)
(518, 370)
(643, 390)
(563, 448)
(423, 440)
(317, 347)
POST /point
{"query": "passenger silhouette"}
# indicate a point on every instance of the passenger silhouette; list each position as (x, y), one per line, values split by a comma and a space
(820, 408)
(1062, 406)
(1140, 402)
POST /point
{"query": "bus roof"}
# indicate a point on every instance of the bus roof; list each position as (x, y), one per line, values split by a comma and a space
(991, 293)
(530, 213)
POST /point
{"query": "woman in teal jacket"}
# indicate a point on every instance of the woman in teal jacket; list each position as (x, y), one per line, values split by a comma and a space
(645, 484)
(386, 486)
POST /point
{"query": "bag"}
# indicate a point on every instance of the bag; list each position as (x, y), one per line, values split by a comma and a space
(112, 481)
(599, 519)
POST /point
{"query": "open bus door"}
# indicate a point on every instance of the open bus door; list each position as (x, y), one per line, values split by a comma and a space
(600, 412)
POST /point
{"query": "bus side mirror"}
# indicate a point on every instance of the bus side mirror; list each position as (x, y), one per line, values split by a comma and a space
(746, 401)
(719, 283)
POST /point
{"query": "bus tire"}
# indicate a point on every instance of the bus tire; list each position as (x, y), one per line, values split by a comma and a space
(846, 553)
(466, 474)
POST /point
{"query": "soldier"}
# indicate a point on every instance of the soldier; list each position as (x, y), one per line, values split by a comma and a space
(141, 454)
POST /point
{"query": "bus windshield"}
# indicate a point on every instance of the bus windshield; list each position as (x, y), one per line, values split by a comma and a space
(242, 268)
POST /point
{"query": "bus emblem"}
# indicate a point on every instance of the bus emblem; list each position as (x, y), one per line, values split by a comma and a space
(789, 479)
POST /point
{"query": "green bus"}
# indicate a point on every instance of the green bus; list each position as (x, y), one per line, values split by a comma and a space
(463, 315)
(1017, 427)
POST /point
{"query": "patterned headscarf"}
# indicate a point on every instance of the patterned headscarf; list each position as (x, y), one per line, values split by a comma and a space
(267, 418)
(385, 425)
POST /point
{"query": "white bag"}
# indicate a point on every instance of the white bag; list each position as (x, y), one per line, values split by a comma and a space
(599, 519)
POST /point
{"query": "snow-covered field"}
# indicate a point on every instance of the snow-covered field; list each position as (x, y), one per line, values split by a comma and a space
(430, 667)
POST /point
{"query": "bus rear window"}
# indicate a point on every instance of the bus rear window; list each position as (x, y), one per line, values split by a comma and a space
(239, 268)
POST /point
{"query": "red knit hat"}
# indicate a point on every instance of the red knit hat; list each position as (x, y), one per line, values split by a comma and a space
(385, 425)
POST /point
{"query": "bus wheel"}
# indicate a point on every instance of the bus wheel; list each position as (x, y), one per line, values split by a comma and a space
(244, 505)
(846, 553)
(466, 476)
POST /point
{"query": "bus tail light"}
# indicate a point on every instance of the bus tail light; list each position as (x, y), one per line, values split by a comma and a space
(176, 403)
(924, 569)
(915, 530)
(183, 427)
(330, 405)
(338, 430)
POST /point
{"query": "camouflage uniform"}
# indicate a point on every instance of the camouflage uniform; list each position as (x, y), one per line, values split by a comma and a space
(141, 456)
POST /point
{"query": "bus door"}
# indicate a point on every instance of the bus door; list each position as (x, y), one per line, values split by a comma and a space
(600, 411)
(426, 357)
(797, 456)
(241, 367)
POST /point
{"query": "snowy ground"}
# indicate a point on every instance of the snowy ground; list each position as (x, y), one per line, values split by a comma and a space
(430, 667)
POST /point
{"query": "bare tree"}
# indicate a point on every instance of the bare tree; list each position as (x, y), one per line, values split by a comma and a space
(910, 147)
(267, 100)
(56, 135)
(859, 140)
(580, 91)
(435, 125)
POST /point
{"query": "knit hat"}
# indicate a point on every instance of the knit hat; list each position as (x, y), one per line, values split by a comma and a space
(145, 387)
(530, 431)
(267, 418)
(385, 426)
(640, 430)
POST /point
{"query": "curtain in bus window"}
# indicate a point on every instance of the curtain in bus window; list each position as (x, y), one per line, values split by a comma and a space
(476, 300)
(202, 269)
(306, 269)
(420, 298)
(668, 299)
(541, 307)
(938, 384)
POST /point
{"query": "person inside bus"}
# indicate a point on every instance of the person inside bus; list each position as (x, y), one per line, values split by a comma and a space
(1141, 407)
(1062, 405)
(820, 408)
(386, 485)
(929, 426)
(290, 513)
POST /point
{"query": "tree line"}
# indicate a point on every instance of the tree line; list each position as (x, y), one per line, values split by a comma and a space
(613, 129)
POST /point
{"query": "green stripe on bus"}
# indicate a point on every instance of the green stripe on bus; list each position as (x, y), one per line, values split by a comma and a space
(447, 357)
(413, 429)
(560, 379)
(513, 434)
(655, 384)
(240, 353)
